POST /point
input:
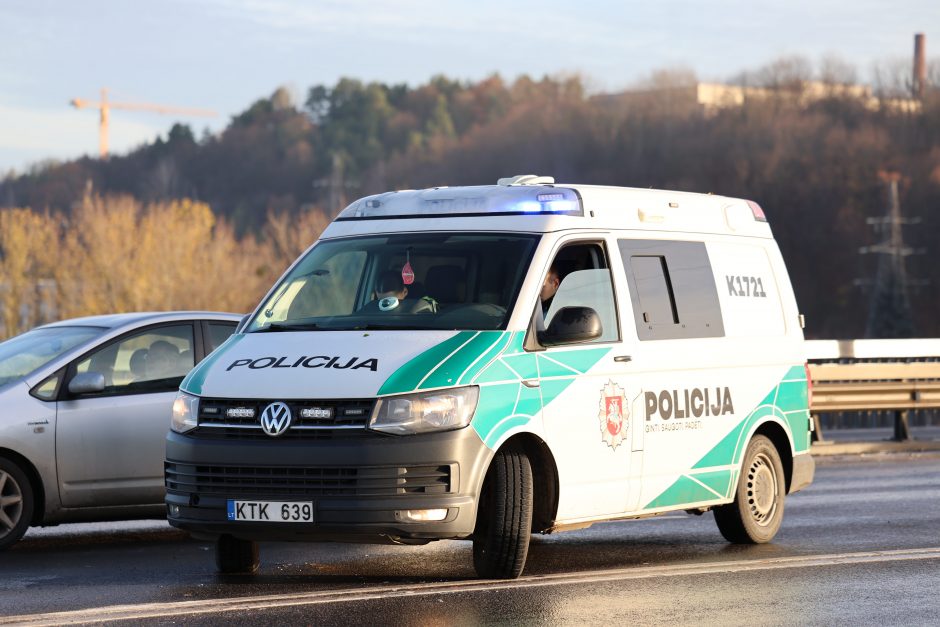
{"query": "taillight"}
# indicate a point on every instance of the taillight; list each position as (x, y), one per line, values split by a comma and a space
(809, 386)
(757, 211)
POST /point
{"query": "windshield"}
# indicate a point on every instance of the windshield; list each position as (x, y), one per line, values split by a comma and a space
(466, 281)
(34, 349)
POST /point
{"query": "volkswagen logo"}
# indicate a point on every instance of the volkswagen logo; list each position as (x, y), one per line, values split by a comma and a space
(275, 419)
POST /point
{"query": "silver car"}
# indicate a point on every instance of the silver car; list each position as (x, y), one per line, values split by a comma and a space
(85, 405)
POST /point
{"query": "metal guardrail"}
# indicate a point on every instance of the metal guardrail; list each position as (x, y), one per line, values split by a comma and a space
(864, 375)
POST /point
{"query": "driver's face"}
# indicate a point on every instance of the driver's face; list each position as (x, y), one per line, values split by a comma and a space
(550, 286)
(399, 294)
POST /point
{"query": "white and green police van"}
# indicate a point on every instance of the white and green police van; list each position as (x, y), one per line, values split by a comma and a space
(489, 362)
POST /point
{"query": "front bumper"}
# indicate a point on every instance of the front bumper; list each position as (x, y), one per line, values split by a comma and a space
(359, 487)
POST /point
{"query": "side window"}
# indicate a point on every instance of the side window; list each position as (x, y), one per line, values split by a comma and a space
(673, 289)
(153, 361)
(218, 333)
(582, 277)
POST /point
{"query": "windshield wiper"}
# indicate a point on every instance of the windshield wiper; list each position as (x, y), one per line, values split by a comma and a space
(279, 326)
(383, 327)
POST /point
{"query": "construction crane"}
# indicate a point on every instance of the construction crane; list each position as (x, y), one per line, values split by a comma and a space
(104, 106)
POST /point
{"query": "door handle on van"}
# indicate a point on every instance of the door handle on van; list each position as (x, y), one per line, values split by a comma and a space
(530, 383)
(623, 358)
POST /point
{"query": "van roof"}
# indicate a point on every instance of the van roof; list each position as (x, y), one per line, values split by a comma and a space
(538, 204)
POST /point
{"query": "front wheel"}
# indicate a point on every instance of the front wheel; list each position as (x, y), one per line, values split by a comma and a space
(234, 556)
(504, 517)
(757, 511)
(16, 503)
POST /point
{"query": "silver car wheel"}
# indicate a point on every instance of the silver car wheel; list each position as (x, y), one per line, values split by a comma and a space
(11, 503)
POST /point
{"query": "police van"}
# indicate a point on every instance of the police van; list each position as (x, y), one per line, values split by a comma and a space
(489, 362)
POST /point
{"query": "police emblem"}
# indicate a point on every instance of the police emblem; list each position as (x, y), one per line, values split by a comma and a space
(614, 415)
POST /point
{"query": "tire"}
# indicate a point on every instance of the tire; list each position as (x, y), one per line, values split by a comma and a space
(234, 556)
(16, 503)
(504, 517)
(757, 511)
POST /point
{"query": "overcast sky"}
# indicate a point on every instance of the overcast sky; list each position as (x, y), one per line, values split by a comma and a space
(224, 54)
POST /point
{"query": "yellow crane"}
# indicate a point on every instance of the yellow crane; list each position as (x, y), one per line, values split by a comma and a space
(104, 106)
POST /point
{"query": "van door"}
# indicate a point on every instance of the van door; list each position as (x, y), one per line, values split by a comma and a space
(586, 389)
(689, 394)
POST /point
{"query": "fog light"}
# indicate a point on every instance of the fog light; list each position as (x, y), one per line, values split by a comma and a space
(422, 515)
(174, 510)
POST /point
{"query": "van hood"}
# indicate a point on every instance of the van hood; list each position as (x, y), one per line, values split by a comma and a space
(308, 365)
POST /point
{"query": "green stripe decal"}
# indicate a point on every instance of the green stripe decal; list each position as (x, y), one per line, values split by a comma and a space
(409, 375)
(197, 377)
(717, 480)
(450, 371)
(787, 401)
(484, 361)
(684, 490)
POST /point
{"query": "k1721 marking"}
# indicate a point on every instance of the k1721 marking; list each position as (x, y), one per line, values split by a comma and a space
(748, 286)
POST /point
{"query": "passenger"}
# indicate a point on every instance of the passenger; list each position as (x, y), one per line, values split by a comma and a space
(163, 360)
(138, 365)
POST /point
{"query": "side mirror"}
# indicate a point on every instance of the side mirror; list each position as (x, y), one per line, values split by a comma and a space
(571, 325)
(87, 383)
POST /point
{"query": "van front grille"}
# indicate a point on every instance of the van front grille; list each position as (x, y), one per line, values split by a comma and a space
(238, 419)
(309, 481)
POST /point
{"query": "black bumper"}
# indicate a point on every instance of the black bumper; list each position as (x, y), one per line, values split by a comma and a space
(359, 487)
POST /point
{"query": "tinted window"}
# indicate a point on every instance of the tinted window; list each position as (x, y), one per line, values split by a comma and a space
(584, 281)
(673, 289)
(218, 333)
(153, 361)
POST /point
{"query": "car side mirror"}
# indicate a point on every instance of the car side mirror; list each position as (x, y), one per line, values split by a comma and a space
(87, 383)
(571, 325)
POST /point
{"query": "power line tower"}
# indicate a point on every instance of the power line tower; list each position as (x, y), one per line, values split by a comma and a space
(889, 311)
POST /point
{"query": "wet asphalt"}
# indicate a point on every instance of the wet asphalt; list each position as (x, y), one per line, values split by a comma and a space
(609, 574)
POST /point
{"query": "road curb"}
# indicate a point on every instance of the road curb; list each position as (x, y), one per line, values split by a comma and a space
(885, 446)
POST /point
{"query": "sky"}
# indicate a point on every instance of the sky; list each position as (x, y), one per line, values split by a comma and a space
(223, 55)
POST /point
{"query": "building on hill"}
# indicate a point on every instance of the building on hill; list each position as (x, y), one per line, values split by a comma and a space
(709, 98)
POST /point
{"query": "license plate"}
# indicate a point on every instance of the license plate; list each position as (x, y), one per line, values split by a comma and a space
(271, 511)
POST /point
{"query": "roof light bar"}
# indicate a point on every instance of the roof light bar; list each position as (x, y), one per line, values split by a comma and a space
(480, 201)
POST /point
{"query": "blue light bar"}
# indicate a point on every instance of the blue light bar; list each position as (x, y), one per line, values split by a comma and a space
(480, 201)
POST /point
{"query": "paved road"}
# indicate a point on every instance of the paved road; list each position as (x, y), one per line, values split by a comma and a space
(861, 546)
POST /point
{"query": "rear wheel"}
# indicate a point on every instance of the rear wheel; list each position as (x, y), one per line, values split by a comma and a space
(504, 517)
(234, 556)
(16, 503)
(757, 511)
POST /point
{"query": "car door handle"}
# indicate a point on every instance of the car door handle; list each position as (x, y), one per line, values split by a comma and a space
(530, 383)
(623, 358)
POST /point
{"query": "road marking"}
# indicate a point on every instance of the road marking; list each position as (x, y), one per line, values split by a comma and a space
(178, 609)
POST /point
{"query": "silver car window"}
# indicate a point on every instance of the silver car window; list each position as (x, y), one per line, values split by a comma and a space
(25, 353)
(152, 361)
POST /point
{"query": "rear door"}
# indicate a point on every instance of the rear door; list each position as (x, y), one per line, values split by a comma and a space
(110, 445)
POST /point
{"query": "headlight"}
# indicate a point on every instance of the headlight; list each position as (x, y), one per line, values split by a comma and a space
(442, 410)
(185, 413)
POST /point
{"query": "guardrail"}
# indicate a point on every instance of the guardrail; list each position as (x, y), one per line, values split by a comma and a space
(865, 375)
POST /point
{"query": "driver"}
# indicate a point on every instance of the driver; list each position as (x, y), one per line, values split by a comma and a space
(391, 295)
(390, 290)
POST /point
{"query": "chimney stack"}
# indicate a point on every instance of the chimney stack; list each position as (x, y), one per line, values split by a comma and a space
(919, 86)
